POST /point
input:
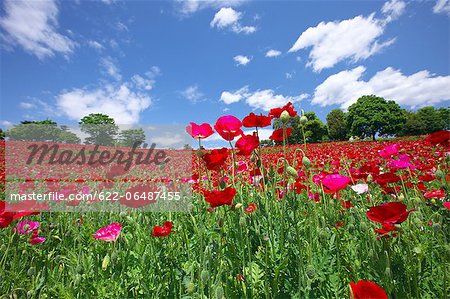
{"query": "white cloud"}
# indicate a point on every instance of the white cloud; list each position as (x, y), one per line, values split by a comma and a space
(393, 9)
(121, 26)
(261, 99)
(354, 39)
(233, 97)
(153, 72)
(242, 60)
(168, 139)
(416, 90)
(442, 6)
(5, 123)
(229, 18)
(120, 102)
(193, 94)
(110, 68)
(273, 53)
(188, 7)
(142, 83)
(95, 45)
(33, 25)
(27, 105)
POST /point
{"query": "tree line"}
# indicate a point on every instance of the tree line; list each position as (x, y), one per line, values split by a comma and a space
(369, 117)
(99, 129)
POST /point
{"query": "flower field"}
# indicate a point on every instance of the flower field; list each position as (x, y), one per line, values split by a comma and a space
(324, 220)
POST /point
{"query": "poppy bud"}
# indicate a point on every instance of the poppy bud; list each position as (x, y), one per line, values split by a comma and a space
(105, 262)
(369, 178)
(237, 206)
(220, 222)
(284, 116)
(306, 162)
(439, 174)
(292, 172)
(311, 272)
(190, 287)
(303, 120)
(31, 271)
(219, 292)
(204, 275)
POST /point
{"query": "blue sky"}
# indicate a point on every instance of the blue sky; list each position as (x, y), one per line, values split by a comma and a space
(181, 61)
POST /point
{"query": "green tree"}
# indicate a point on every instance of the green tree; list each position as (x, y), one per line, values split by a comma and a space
(372, 115)
(131, 136)
(45, 130)
(413, 125)
(337, 128)
(444, 117)
(2, 134)
(101, 128)
(429, 120)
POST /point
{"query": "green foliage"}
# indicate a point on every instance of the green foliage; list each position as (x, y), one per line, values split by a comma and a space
(337, 127)
(101, 128)
(46, 130)
(425, 121)
(372, 115)
(131, 136)
(2, 134)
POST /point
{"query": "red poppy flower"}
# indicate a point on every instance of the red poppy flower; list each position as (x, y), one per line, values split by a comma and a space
(228, 127)
(441, 137)
(365, 289)
(215, 158)
(218, 198)
(389, 212)
(162, 231)
(199, 131)
(346, 204)
(447, 205)
(386, 229)
(386, 178)
(277, 135)
(434, 194)
(259, 121)
(276, 112)
(251, 208)
(5, 217)
(332, 183)
(247, 143)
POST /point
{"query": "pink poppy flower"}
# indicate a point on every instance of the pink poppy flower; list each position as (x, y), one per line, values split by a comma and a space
(109, 233)
(402, 163)
(332, 183)
(25, 227)
(228, 127)
(35, 239)
(199, 131)
(389, 151)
